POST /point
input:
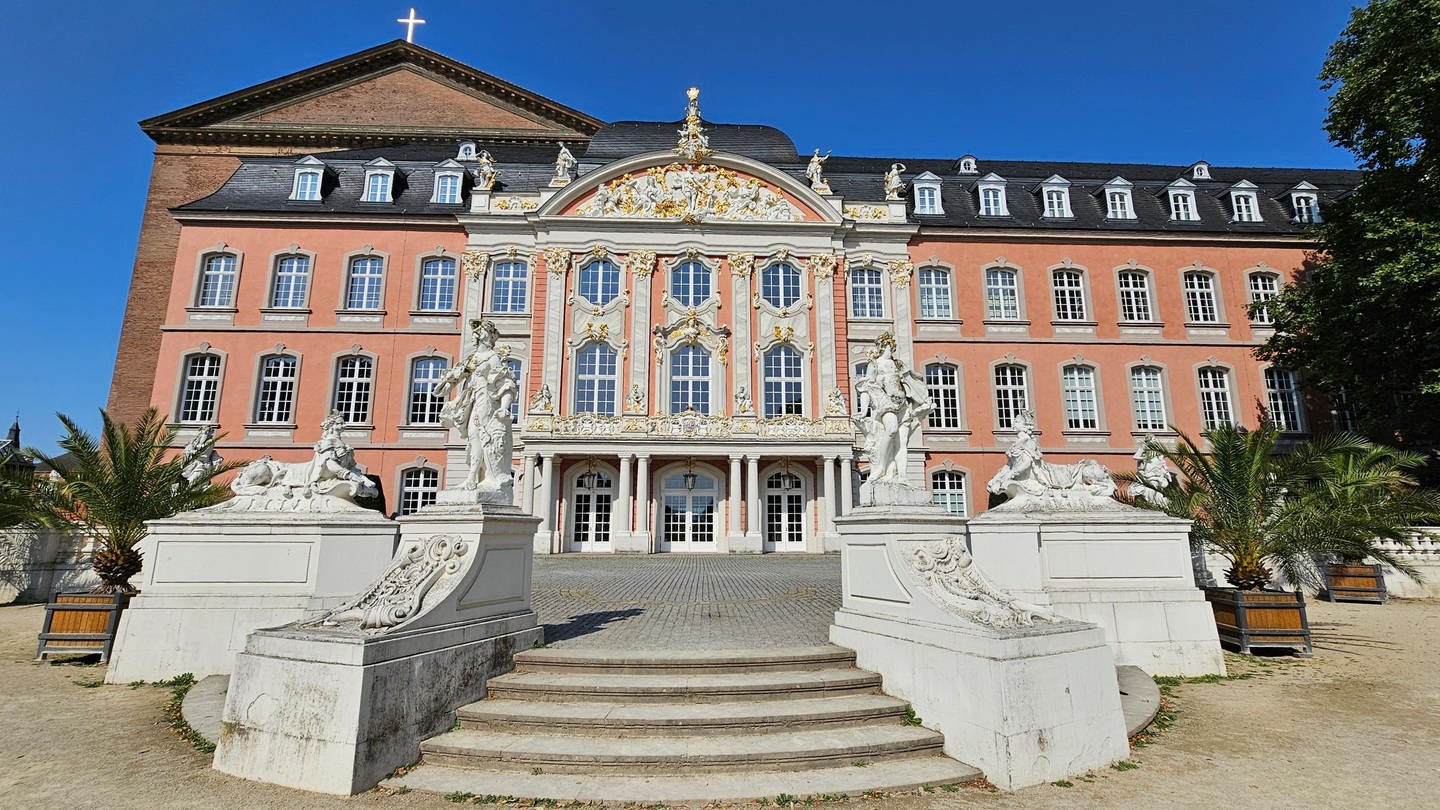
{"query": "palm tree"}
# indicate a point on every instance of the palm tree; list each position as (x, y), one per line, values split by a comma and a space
(109, 488)
(1264, 511)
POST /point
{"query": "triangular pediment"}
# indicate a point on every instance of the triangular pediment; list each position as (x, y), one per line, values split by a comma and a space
(395, 93)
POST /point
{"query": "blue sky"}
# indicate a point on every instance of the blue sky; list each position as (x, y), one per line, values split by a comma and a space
(1228, 81)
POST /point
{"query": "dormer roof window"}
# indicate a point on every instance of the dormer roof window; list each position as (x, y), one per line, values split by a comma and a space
(309, 176)
(1305, 202)
(966, 165)
(1244, 202)
(991, 189)
(1119, 204)
(449, 179)
(1055, 195)
(1200, 171)
(1182, 201)
(467, 151)
(927, 194)
(379, 181)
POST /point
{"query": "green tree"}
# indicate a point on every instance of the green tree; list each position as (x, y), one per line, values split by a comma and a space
(110, 487)
(1365, 317)
(1267, 511)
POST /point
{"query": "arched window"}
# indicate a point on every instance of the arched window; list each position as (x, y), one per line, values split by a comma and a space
(418, 488)
(1200, 303)
(780, 285)
(590, 514)
(217, 281)
(447, 188)
(437, 285)
(690, 380)
(1284, 397)
(690, 284)
(307, 185)
(1134, 296)
(1012, 395)
(515, 368)
(1069, 295)
(927, 199)
(943, 383)
(424, 407)
(366, 283)
(1002, 295)
(1215, 407)
(275, 403)
(509, 290)
(687, 513)
(201, 388)
(292, 283)
(595, 380)
(1147, 398)
(947, 489)
(1264, 287)
(599, 282)
(867, 293)
(354, 387)
(935, 293)
(784, 386)
(1077, 385)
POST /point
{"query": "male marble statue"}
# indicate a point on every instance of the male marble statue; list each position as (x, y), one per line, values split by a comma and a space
(893, 402)
(480, 411)
(197, 465)
(1152, 475)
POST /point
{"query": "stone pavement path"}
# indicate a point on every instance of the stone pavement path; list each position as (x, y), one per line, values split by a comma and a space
(687, 600)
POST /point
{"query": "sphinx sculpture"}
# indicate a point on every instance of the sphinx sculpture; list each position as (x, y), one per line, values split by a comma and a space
(329, 482)
(1034, 484)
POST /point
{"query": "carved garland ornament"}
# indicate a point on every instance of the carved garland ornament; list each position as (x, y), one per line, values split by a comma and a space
(950, 575)
(399, 594)
(640, 263)
(557, 260)
(900, 271)
(475, 263)
(741, 264)
(823, 265)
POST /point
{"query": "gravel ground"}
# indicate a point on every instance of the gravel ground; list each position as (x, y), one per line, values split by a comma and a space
(1356, 726)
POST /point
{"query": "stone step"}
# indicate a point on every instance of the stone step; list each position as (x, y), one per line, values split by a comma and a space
(847, 779)
(777, 751)
(671, 719)
(610, 688)
(684, 662)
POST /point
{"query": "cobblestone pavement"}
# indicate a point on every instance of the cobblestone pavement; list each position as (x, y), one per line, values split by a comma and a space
(687, 600)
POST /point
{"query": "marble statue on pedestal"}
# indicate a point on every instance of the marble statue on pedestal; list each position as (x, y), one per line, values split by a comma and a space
(329, 482)
(197, 465)
(744, 404)
(480, 412)
(893, 403)
(1152, 475)
(694, 144)
(564, 166)
(1034, 484)
(893, 184)
(485, 173)
(815, 172)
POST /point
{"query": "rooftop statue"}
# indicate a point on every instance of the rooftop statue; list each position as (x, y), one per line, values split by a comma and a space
(1034, 484)
(815, 172)
(480, 412)
(564, 166)
(893, 184)
(329, 482)
(694, 144)
(485, 173)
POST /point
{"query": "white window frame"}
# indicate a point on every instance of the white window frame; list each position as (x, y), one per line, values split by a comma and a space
(377, 168)
(440, 281)
(515, 284)
(1250, 212)
(459, 178)
(303, 190)
(1308, 214)
(351, 291)
(990, 190)
(927, 185)
(867, 293)
(596, 380)
(220, 294)
(782, 402)
(1055, 184)
(1200, 171)
(1147, 398)
(420, 399)
(274, 392)
(942, 383)
(1119, 199)
(357, 389)
(951, 492)
(1070, 301)
(596, 278)
(517, 373)
(781, 278)
(200, 388)
(935, 293)
(1183, 207)
(1261, 314)
(1282, 395)
(967, 165)
(682, 278)
(423, 483)
(296, 282)
(1197, 296)
(1080, 396)
(1217, 400)
(689, 380)
(1010, 398)
(1135, 300)
(995, 305)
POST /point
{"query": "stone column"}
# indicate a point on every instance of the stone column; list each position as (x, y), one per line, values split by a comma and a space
(753, 527)
(847, 494)
(623, 535)
(824, 507)
(735, 532)
(642, 502)
(545, 509)
(527, 495)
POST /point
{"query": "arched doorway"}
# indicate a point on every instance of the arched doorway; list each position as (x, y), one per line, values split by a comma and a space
(592, 501)
(688, 508)
(785, 505)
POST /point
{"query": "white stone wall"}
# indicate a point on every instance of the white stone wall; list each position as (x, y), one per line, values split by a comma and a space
(36, 564)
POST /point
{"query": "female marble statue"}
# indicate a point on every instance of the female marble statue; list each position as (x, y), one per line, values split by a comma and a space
(564, 165)
(893, 401)
(480, 411)
(815, 171)
(893, 184)
(1032, 482)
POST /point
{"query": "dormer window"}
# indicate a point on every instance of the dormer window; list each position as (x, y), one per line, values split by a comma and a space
(1200, 171)
(467, 151)
(1182, 201)
(1055, 194)
(1118, 202)
(992, 196)
(927, 194)
(966, 165)
(309, 174)
(449, 176)
(379, 181)
(1244, 202)
(1305, 202)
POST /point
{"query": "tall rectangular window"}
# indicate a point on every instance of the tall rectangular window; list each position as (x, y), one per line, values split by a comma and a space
(276, 401)
(1264, 287)
(784, 383)
(1214, 397)
(366, 283)
(947, 489)
(447, 188)
(1284, 398)
(927, 200)
(690, 380)
(1200, 304)
(867, 293)
(217, 281)
(510, 287)
(1078, 392)
(515, 368)
(935, 293)
(595, 376)
(1069, 295)
(418, 489)
(1012, 396)
(942, 381)
(1002, 296)
(1342, 415)
(292, 283)
(1134, 296)
(424, 407)
(437, 285)
(201, 387)
(1147, 398)
(1057, 203)
(354, 387)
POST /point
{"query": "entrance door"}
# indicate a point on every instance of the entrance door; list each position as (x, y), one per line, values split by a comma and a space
(591, 503)
(784, 512)
(687, 512)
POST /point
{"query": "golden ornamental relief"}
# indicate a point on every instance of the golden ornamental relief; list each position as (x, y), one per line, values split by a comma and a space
(871, 212)
(691, 193)
(640, 263)
(741, 264)
(900, 271)
(557, 260)
(515, 204)
(474, 263)
(823, 264)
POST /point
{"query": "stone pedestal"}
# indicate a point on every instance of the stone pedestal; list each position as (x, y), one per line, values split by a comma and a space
(334, 705)
(1128, 570)
(211, 577)
(1027, 704)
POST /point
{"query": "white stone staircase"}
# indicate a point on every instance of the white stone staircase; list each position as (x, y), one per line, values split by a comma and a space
(684, 725)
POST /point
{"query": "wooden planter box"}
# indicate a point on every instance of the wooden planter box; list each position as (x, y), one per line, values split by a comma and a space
(1255, 619)
(79, 623)
(1354, 582)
